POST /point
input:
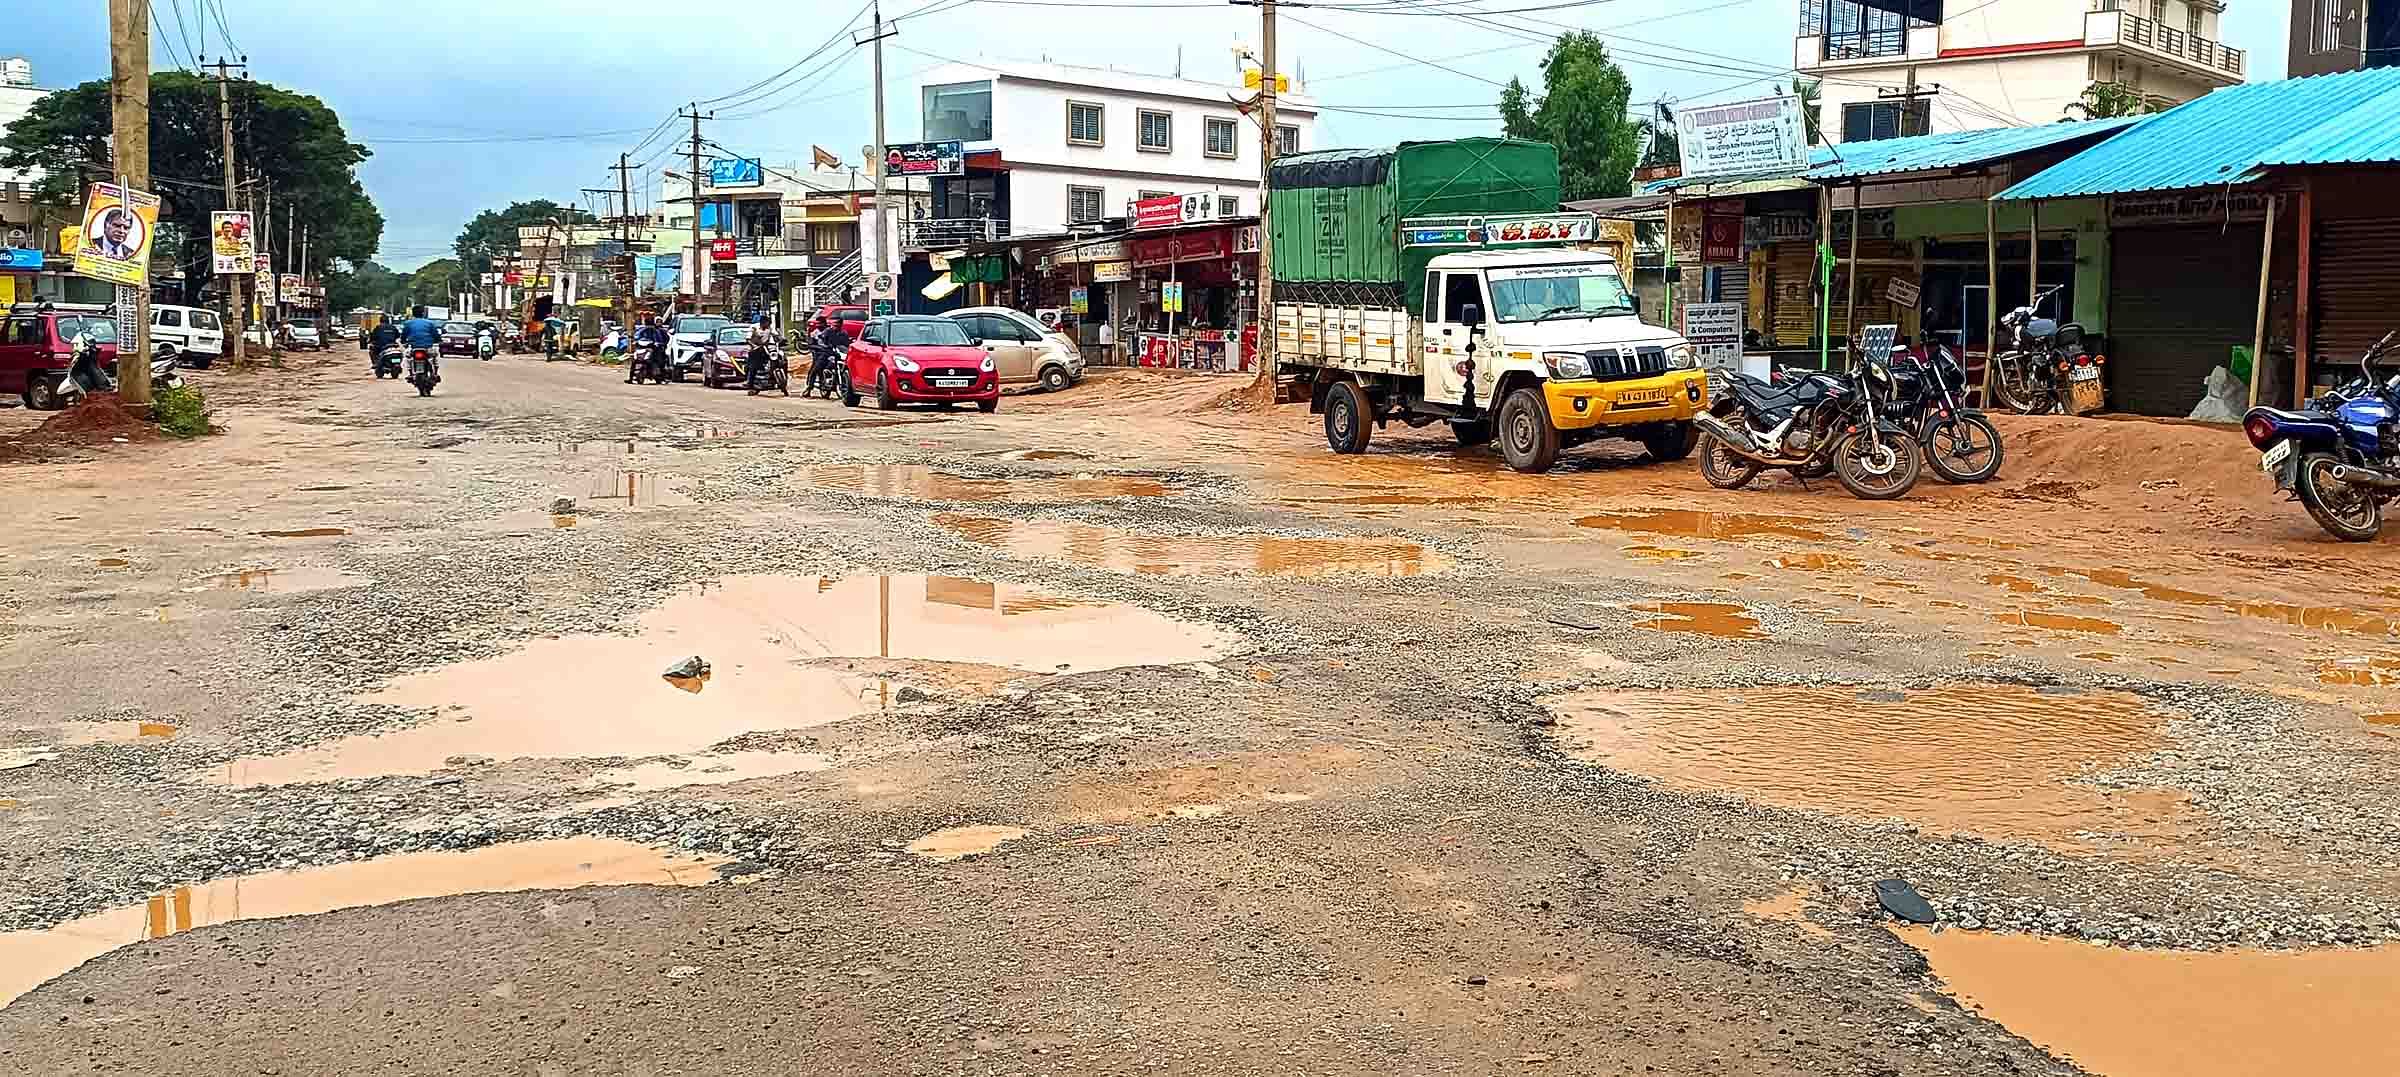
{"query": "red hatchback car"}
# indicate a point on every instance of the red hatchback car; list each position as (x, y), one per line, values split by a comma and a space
(919, 360)
(37, 346)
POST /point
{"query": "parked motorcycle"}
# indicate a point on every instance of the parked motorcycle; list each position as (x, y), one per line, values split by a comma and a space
(1929, 398)
(2031, 378)
(2340, 456)
(86, 374)
(484, 347)
(1813, 419)
(424, 370)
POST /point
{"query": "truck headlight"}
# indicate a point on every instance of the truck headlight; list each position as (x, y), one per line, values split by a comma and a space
(1680, 357)
(1567, 365)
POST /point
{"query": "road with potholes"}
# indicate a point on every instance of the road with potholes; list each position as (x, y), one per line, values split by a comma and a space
(1129, 729)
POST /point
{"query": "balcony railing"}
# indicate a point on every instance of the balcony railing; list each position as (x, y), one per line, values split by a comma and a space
(2153, 36)
(950, 232)
(1865, 44)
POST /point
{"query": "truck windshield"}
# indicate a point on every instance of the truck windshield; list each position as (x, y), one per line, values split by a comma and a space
(1536, 293)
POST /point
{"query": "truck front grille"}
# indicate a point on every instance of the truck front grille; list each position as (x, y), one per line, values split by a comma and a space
(1627, 361)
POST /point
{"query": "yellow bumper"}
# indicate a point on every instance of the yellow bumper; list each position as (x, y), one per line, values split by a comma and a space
(1670, 397)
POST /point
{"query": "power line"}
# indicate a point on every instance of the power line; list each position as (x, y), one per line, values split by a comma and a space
(181, 62)
(217, 8)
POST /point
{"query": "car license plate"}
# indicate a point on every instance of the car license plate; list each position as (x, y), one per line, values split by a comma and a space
(2272, 459)
(1641, 396)
(952, 383)
(2085, 373)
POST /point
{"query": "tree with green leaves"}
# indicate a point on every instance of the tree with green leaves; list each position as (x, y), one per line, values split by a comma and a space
(289, 140)
(1581, 111)
(2102, 100)
(492, 235)
(436, 282)
(1664, 146)
(1811, 94)
(367, 284)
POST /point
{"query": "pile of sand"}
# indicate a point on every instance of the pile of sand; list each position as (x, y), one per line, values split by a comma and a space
(100, 419)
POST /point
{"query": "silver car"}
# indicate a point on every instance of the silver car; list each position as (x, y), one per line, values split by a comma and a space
(1024, 351)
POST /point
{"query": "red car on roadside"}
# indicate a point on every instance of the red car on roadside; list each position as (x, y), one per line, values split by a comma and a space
(853, 318)
(919, 360)
(37, 346)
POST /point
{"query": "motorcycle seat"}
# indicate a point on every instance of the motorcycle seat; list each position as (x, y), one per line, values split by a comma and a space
(2041, 329)
(1762, 397)
(2282, 415)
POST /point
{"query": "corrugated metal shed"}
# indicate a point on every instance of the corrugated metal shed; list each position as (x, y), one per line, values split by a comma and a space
(1957, 149)
(2228, 136)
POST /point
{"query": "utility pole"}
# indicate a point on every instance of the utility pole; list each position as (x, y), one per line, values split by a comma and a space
(884, 229)
(235, 310)
(304, 278)
(691, 272)
(624, 280)
(129, 124)
(1269, 144)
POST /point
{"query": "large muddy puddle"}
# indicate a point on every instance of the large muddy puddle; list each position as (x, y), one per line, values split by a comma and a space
(1694, 523)
(773, 645)
(1990, 759)
(1093, 546)
(29, 959)
(2163, 1013)
(921, 483)
(280, 581)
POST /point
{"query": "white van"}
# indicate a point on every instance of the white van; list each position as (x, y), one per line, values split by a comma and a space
(194, 331)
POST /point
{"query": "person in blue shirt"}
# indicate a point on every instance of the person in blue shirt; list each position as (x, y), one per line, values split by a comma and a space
(421, 331)
(646, 336)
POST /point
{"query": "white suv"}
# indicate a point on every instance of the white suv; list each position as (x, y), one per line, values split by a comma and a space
(1024, 351)
(198, 337)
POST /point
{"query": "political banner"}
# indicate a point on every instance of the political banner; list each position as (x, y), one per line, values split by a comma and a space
(232, 243)
(118, 227)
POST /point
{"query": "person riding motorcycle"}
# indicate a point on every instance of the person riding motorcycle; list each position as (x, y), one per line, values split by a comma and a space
(649, 346)
(826, 345)
(760, 357)
(385, 335)
(422, 332)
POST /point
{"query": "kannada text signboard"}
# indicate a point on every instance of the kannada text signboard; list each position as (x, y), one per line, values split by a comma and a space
(1742, 138)
(925, 159)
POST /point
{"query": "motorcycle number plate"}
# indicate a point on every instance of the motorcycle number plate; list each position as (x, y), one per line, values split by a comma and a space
(952, 383)
(2085, 373)
(2273, 458)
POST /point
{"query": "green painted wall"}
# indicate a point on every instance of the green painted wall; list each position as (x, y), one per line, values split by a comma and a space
(2088, 217)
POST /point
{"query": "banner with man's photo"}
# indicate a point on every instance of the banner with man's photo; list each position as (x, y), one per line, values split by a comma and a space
(232, 243)
(118, 227)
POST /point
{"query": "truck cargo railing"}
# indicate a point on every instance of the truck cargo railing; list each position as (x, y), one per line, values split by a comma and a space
(1383, 339)
(1499, 230)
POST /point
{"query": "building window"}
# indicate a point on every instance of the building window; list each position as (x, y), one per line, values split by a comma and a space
(1147, 195)
(1084, 204)
(2158, 11)
(1228, 206)
(1223, 138)
(826, 239)
(2191, 19)
(1154, 131)
(1083, 123)
(960, 111)
(1287, 140)
(1871, 120)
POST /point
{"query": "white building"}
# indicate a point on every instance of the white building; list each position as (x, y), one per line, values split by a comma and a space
(1049, 145)
(2000, 62)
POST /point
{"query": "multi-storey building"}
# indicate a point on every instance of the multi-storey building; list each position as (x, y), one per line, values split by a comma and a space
(1897, 67)
(2343, 35)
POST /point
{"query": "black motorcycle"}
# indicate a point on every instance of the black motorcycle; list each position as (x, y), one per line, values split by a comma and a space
(1929, 397)
(650, 364)
(387, 361)
(2030, 378)
(768, 371)
(1810, 420)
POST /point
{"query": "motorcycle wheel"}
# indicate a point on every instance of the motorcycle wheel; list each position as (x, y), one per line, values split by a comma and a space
(1724, 468)
(424, 389)
(2012, 391)
(849, 391)
(2344, 511)
(1879, 468)
(1962, 448)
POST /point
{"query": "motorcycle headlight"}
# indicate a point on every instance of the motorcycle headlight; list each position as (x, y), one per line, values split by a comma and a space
(1567, 365)
(988, 365)
(905, 363)
(1681, 357)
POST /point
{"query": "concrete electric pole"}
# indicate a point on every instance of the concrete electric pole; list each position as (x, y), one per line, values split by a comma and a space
(1269, 145)
(691, 273)
(129, 124)
(237, 312)
(885, 230)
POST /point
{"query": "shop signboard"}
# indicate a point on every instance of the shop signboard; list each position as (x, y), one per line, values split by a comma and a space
(925, 159)
(1742, 138)
(735, 172)
(1245, 239)
(883, 294)
(1107, 250)
(2204, 206)
(1170, 297)
(1079, 300)
(233, 246)
(1163, 211)
(1184, 247)
(1715, 330)
(20, 259)
(118, 225)
(1111, 272)
(1720, 239)
(724, 250)
(1903, 293)
(1766, 230)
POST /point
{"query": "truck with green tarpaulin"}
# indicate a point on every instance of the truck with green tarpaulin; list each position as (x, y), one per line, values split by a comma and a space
(1439, 282)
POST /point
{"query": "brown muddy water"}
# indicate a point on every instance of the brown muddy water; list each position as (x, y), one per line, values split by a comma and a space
(280, 581)
(1694, 523)
(1724, 620)
(720, 769)
(960, 842)
(1986, 759)
(29, 959)
(1093, 546)
(918, 482)
(2117, 1012)
(769, 641)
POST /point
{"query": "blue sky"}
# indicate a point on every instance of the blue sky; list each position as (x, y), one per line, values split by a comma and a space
(446, 92)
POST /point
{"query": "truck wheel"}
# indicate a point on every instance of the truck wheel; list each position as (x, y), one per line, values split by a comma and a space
(1346, 418)
(1669, 442)
(1528, 441)
(1472, 432)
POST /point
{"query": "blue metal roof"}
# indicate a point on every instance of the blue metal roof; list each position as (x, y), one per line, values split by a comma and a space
(1957, 149)
(2228, 136)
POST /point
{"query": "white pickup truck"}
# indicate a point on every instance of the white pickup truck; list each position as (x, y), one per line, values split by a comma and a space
(1539, 346)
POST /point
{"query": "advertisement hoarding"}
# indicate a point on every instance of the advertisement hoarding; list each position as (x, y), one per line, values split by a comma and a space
(1742, 138)
(925, 159)
(118, 226)
(735, 172)
(1163, 211)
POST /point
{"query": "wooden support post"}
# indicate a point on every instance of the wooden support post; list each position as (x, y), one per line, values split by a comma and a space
(2258, 335)
(1850, 315)
(1991, 299)
(2304, 314)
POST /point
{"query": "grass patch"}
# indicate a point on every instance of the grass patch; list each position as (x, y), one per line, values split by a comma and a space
(181, 411)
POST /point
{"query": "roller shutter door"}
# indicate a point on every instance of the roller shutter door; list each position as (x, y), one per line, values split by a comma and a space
(2356, 294)
(2179, 299)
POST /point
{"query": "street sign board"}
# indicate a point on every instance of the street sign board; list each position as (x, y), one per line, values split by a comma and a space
(1742, 138)
(883, 294)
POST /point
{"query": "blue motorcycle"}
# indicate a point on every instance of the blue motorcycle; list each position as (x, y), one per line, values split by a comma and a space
(2341, 457)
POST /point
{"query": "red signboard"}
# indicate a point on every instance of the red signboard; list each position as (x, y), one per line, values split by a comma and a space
(513, 277)
(1720, 239)
(1163, 211)
(1201, 246)
(726, 250)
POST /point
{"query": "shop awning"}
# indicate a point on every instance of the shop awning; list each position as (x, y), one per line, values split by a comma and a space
(2233, 135)
(1957, 149)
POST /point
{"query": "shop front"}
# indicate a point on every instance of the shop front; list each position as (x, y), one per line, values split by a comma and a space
(1084, 282)
(1194, 298)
